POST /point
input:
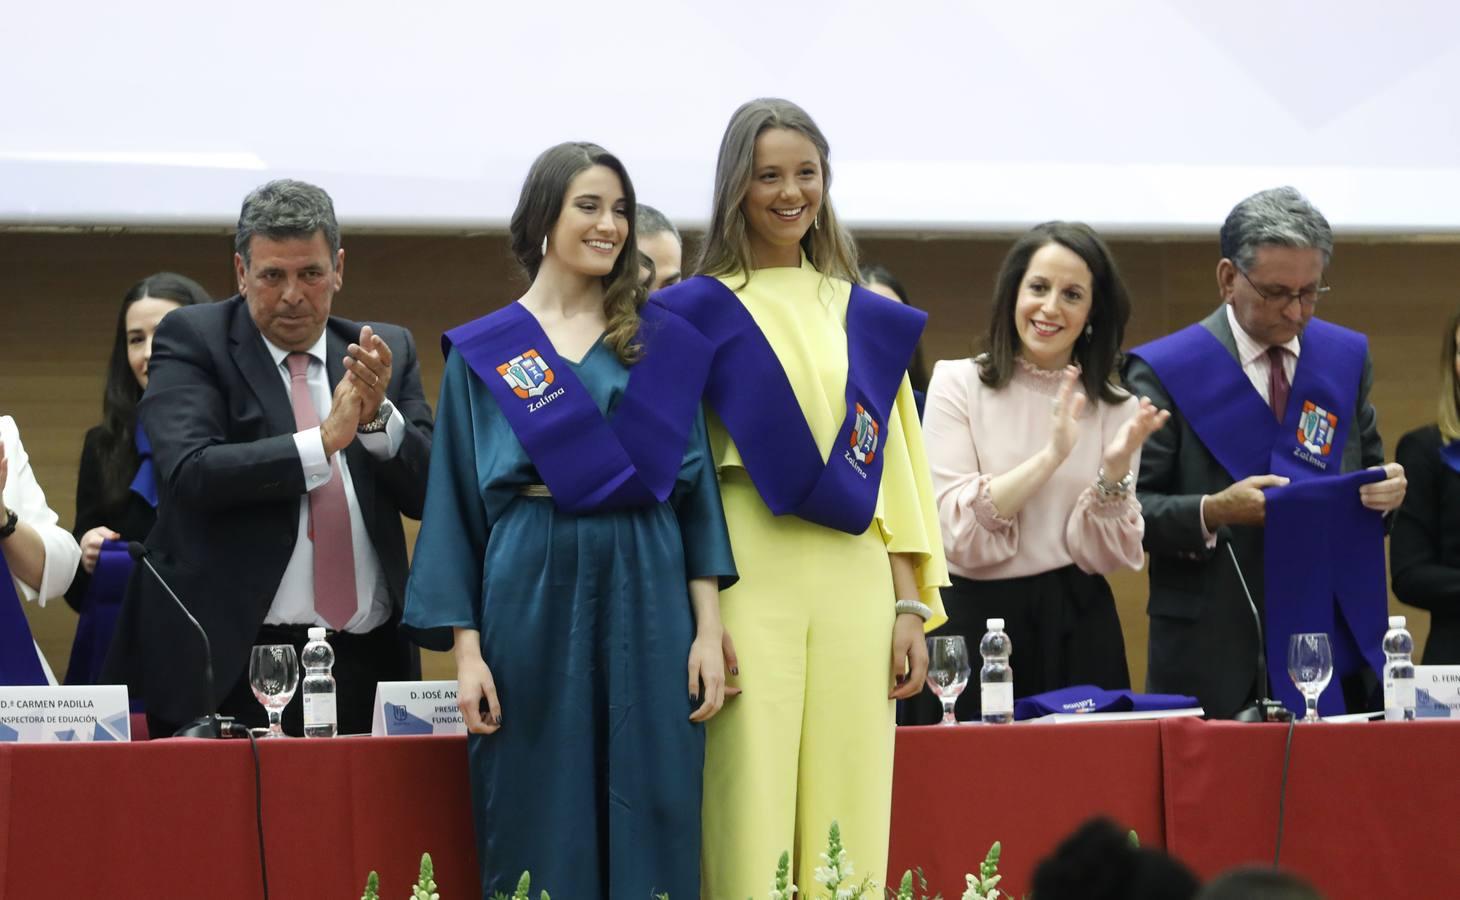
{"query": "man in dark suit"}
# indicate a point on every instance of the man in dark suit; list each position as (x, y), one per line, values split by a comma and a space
(1204, 528)
(288, 443)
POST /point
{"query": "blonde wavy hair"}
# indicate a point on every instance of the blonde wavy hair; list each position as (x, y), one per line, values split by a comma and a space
(726, 248)
(538, 208)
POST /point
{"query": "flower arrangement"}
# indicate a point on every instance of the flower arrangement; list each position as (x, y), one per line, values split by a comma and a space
(837, 879)
(424, 889)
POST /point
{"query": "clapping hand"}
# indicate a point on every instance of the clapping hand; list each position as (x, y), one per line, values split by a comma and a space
(1064, 411)
(369, 368)
(1146, 422)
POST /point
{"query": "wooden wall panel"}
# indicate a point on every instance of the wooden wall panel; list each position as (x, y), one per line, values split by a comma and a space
(59, 296)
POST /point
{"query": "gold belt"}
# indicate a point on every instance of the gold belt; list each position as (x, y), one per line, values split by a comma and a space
(534, 490)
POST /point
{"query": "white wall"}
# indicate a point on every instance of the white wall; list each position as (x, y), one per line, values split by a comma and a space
(1138, 116)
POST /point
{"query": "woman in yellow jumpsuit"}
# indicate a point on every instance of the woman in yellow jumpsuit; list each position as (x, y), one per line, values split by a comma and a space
(829, 614)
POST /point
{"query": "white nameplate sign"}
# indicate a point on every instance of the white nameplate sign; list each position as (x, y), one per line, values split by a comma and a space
(44, 714)
(416, 707)
(1437, 692)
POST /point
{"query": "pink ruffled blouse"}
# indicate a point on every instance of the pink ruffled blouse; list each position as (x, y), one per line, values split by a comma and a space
(974, 432)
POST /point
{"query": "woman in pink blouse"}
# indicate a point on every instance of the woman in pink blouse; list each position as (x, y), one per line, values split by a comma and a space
(1033, 447)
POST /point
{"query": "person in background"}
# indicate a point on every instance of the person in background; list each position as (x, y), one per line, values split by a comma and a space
(879, 280)
(659, 240)
(116, 488)
(1424, 544)
(1099, 861)
(1033, 446)
(38, 558)
(829, 507)
(1260, 393)
(288, 442)
(572, 561)
(1253, 883)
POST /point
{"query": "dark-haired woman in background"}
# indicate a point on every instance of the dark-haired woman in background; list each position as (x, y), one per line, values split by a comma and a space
(571, 553)
(1424, 545)
(116, 491)
(879, 280)
(1033, 448)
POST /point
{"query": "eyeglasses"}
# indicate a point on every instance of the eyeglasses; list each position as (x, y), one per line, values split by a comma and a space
(1307, 297)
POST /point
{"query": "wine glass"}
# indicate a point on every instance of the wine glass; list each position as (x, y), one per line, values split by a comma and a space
(948, 671)
(273, 673)
(1310, 665)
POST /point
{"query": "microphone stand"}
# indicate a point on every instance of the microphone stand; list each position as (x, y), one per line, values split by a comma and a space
(211, 725)
(1264, 708)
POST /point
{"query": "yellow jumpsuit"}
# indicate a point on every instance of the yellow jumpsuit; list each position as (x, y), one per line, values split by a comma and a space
(810, 738)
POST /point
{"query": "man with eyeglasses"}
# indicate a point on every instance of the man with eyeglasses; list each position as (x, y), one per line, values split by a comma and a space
(1269, 481)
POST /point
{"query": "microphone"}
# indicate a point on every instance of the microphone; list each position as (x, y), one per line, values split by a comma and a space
(1264, 708)
(207, 726)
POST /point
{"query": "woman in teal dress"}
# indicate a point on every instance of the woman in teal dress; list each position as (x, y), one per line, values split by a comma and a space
(584, 615)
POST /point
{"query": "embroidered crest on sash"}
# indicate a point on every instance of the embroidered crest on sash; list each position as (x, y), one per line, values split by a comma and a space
(865, 432)
(1315, 429)
(528, 375)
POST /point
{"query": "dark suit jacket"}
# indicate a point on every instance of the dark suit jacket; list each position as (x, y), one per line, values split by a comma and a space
(131, 517)
(1203, 640)
(1424, 547)
(229, 483)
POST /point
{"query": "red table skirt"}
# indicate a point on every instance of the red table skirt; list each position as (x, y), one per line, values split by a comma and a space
(1370, 808)
(175, 819)
(956, 790)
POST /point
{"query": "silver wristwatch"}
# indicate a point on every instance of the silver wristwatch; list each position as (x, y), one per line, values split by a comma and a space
(1119, 488)
(382, 416)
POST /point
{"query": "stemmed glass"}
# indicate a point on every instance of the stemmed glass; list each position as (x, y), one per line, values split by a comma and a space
(1310, 665)
(273, 673)
(948, 671)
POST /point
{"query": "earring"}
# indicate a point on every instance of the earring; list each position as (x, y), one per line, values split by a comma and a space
(544, 245)
(816, 222)
(1089, 329)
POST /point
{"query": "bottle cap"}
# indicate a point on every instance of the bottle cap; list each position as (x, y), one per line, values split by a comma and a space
(316, 633)
(1396, 621)
(995, 624)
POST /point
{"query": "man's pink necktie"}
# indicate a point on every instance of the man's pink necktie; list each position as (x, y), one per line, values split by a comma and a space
(1277, 382)
(329, 515)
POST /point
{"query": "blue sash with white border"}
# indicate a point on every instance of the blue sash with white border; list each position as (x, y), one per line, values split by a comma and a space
(1324, 551)
(591, 463)
(750, 392)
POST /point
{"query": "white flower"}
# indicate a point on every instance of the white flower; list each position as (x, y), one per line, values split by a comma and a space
(979, 889)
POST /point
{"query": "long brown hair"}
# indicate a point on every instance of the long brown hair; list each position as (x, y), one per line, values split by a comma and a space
(726, 248)
(116, 445)
(1098, 353)
(538, 209)
(1448, 416)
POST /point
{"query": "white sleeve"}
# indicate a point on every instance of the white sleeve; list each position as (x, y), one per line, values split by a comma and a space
(25, 496)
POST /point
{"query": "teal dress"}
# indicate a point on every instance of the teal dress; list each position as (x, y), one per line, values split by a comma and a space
(593, 782)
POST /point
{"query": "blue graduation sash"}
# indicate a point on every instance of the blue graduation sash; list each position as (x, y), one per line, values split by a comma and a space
(1324, 551)
(103, 601)
(1450, 454)
(750, 392)
(144, 483)
(592, 463)
(99, 610)
(1087, 698)
(19, 662)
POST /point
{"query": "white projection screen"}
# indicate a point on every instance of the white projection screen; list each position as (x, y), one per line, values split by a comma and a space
(960, 117)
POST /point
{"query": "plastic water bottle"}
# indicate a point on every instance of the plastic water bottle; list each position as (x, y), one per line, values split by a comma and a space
(1398, 672)
(320, 718)
(996, 678)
